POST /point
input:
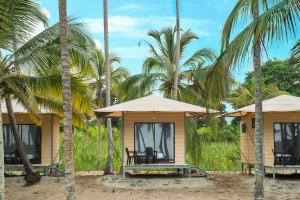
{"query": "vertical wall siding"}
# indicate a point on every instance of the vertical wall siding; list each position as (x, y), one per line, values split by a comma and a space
(23, 118)
(247, 147)
(177, 118)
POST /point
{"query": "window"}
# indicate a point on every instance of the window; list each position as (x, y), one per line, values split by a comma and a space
(31, 138)
(253, 122)
(287, 138)
(158, 136)
(244, 128)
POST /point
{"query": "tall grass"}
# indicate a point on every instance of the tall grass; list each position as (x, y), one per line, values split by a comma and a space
(219, 156)
(208, 151)
(85, 147)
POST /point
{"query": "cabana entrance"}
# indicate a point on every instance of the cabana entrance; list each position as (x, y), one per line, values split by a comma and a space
(287, 143)
(154, 142)
(153, 132)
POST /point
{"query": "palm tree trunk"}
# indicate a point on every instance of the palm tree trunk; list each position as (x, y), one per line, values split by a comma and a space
(99, 145)
(67, 107)
(109, 166)
(177, 53)
(259, 129)
(31, 176)
(2, 181)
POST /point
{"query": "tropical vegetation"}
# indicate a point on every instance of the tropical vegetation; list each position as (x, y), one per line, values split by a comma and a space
(60, 69)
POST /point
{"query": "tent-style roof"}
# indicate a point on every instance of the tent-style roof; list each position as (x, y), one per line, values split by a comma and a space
(283, 103)
(152, 103)
(18, 108)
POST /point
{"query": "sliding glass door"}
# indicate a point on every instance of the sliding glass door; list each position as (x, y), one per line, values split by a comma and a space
(287, 139)
(158, 136)
(31, 138)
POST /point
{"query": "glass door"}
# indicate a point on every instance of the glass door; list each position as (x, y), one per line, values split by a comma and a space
(157, 136)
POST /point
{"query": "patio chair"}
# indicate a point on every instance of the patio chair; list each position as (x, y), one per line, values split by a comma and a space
(151, 155)
(131, 156)
(277, 158)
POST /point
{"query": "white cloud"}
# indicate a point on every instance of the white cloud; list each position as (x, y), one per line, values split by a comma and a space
(135, 27)
(132, 52)
(127, 7)
(98, 43)
(47, 13)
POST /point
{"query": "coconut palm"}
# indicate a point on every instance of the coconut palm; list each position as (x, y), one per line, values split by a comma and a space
(42, 86)
(18, 19)
(245, 94)
(118, 75)
(109, 165)
(296, 50)
(2, 181)
(265, 22)
(177, 53)
(158, 68)
(67, 106)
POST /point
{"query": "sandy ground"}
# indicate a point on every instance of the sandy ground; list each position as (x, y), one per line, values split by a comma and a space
(218, 186)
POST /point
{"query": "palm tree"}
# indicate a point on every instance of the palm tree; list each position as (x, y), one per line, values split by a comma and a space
(24, 51)
(118, 76)
(67, 106)
(109, 165)
(270, 21)
(2, 181)
(245, 94)
(158, 68)
(18, 21)
(41, 86)
(177, 54)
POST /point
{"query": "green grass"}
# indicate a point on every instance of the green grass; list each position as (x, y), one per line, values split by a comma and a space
(219, 156)
(86, 149)
(215, 156)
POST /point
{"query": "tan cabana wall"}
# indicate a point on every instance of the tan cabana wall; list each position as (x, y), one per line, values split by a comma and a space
(247, 139)
(49, 129)
(177, 118)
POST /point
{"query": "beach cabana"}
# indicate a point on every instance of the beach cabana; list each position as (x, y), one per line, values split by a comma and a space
(281, 133)
(41, 143)
(153, 131)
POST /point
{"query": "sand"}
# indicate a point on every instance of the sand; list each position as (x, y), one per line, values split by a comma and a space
(218, 186)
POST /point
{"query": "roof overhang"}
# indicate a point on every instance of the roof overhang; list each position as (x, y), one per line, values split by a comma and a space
(119, 114)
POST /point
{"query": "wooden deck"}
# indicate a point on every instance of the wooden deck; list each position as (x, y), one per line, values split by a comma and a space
(273, 168)
(157, 166)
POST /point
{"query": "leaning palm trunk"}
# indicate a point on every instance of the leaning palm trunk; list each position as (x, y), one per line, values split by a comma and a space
(67, 107)
(259, 137)
(2, 181)
(31, 176)
(109, 166)
(177, 53)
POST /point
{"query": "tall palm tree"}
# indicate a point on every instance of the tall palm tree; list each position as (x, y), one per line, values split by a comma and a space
(177, 54)
(266, 21)
(158, 68)
(24, 51)
(19, 20)
(118, 75)
(2, 180)
(109, 165)
(67, 106)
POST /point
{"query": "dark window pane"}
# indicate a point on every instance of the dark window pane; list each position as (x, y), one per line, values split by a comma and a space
(31, 138)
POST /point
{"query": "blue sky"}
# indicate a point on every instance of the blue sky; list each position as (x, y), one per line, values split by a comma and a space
(130, 20)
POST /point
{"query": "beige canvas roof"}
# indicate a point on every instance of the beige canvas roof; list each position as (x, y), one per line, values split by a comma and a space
(283, 103)
(18, 108)
(152, 103)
